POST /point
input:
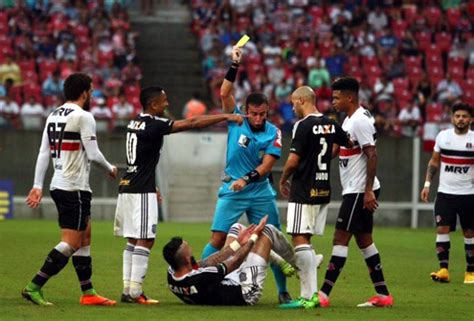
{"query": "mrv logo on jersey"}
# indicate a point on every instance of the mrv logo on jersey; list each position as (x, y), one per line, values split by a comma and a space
(456, 169)
(343, 162)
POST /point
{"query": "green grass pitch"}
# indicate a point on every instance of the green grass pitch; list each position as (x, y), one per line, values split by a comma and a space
(408, 257)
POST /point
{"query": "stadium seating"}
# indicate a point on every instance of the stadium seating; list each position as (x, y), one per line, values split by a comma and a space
(439, 39)
(37, 22)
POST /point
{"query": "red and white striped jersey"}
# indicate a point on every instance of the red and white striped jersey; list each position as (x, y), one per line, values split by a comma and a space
(353, 161)
(457, 162)
(65, 130)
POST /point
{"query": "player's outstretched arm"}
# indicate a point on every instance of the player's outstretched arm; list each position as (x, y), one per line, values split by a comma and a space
(198, 122)
(227, 87)
(433, 167)
(370, 202)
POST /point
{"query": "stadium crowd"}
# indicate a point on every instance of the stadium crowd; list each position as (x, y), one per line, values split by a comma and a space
(413, 59)
(43, 42)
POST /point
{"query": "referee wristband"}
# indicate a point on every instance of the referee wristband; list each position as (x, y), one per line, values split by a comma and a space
(427, 184)
(235, 246)
(253, 237)
(251, 176)
(232, 72)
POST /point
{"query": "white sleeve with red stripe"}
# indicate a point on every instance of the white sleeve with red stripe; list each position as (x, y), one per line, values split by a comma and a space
(437, 148)
(89, 141)
(42, 161)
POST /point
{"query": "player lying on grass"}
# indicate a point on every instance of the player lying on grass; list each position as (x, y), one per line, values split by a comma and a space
(233, 276)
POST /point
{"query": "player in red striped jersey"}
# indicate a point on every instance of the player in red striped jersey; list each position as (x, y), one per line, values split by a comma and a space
(360, 189)
(69, 138)
(454, 155)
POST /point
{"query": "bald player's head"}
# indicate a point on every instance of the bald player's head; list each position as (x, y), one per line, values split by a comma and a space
(303, 99)
(306, 93)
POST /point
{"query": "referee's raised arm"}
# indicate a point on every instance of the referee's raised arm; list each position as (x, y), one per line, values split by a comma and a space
(227, 87)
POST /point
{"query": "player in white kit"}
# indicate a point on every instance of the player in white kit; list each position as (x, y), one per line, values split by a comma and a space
(360, 189)
(453, 155)
(69, 138)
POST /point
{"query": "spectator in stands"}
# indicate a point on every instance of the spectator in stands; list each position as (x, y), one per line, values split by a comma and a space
(194, 107)
(397, 68)
(10, 111)
(131, 73)
(102, 114)
(45, 47)
(32, 114)
(378, 19)
(54, 102)
(383, 89)
(66, 50)
(10, 70)
(32, 108)
(285, 108)
(386, 117)
(123, 111)
(448, 90)
(335, 63)
(276, 73)
(365, 93)
(410, 119)
(318, 76)
(283, 90)
(53, 85)
(387, 42)
(424, 91)
(408, 45)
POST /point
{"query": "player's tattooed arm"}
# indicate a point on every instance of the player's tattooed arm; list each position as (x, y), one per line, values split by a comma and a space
(433, 166)
(217, 258)
(236, 260)
(431, 171)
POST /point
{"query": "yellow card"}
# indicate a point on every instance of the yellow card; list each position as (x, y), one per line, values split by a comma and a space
(243, 41)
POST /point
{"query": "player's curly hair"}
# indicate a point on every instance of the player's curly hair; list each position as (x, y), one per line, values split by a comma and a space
(75, 85)
(170, 250)
(462, 106)
(346, 84)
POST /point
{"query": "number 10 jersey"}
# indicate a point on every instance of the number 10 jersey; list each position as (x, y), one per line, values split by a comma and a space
(143, 146)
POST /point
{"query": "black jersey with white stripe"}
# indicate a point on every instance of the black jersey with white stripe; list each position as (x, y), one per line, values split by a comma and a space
(206, 286)
(313, 139)
(143, 146)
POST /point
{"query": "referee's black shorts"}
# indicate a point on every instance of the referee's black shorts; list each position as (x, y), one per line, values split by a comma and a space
(352, 217)
(74, 208)
(449, 206)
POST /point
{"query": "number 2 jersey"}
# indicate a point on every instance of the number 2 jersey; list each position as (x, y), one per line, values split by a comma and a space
(457, 162)
(143, 146)
(68, 131)
(313, 138)
(353, 161)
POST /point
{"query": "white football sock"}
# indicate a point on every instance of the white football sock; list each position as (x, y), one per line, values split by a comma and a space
(306, 263)
(127, 267)
(139, 269)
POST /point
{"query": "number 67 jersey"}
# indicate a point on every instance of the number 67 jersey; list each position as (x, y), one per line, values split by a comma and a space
(65, 131)
(313, 139)
(144, 141)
